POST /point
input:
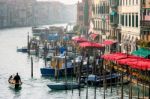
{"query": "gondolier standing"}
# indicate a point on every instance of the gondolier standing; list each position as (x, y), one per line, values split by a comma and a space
(17, 80)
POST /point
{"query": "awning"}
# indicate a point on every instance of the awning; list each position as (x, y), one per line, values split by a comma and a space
(132, 61)
(114, 56)
(142, 52)
(108, 42)
(93, 35)
(90, 44)
(80, 39)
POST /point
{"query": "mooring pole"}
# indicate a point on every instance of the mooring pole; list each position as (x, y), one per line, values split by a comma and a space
(130, 89)
(104, 81)
(87, 76)
(111, 79)
(122, 84)
(28, 43)
(31, 67)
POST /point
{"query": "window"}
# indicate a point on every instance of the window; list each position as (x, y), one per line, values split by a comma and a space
(132, 20)
(129, 2)
(129, 20)
(126, 19)
(81, 18)
(136, 20)
(137, 2)
(132, 2)
(120, 2)
(122, 20)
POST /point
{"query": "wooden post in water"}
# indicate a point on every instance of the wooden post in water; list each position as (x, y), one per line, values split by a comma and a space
(56, 69)
(94, 65)
(138, 89)
(149, 88)
(122, 84)
(100, 69)
(31, 67)
(28, 43)
(66, 70)
(87, 76)
(111, 79)
(104, 80)
(80, 68)
(130, 89)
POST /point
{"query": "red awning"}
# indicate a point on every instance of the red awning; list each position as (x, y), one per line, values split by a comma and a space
(90, 44)
(141, 64)
(108, 42)
(129, 59)
(80, 39)
(114, 56)
(93, 35)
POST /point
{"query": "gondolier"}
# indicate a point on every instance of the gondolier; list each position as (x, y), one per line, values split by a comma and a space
(17, 78)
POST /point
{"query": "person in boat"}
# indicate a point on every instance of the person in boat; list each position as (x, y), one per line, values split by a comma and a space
(10, 79)
(17, 78)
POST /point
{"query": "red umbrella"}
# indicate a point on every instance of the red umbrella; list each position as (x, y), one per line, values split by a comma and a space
(90, 44)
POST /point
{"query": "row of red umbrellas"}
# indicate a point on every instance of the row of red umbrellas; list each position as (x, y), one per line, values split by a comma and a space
(135, 62)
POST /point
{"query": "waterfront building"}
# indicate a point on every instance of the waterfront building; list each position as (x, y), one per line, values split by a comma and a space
(129, 22)
(100, 18)
(84, 13)
(3, 14)
(80, 13)
(145, 21)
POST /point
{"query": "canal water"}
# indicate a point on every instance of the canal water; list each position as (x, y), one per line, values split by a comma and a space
(12, 61)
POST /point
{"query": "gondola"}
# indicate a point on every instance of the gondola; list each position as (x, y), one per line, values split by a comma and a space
(14, 85)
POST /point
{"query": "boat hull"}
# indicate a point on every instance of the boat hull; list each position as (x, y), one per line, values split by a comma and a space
(64, 86)
(51, 72)
(15, 86)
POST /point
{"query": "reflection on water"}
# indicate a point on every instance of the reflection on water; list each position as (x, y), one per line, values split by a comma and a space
(36, 87)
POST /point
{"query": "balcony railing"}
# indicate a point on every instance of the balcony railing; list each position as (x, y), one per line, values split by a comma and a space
(145, 23)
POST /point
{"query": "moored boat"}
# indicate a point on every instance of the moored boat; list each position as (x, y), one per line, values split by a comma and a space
(57, 67)
(23, 49)
(64, 86)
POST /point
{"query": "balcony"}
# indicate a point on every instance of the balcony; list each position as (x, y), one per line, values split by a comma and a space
(145, 23)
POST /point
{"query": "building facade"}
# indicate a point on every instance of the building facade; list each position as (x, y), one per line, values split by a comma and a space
(100, 18)
(145, 21)
(80, 13)
(129, 23)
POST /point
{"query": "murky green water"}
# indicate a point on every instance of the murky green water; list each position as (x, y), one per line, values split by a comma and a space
(12, 62)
